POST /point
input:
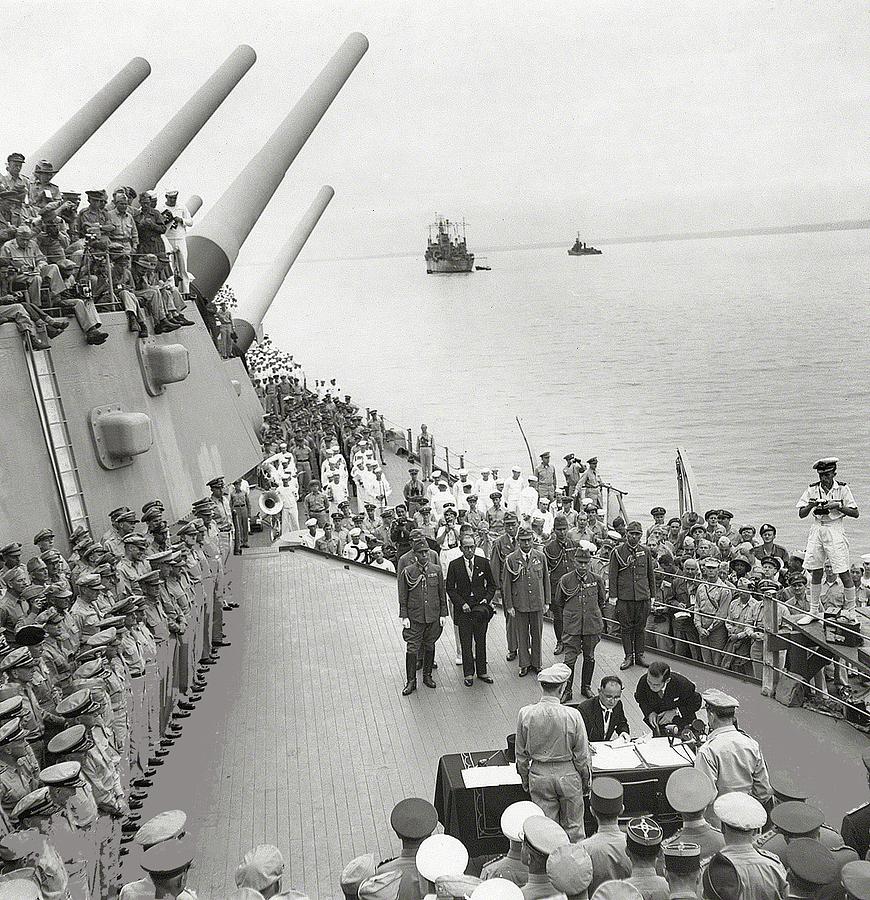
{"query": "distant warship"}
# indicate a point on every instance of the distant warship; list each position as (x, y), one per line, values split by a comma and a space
(580, 249)
(446, 250)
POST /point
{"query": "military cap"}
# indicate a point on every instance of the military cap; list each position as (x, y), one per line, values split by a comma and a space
(689, 791)
(811, 861)
(217, 480)
(12, 731)
(515, 815)
(558, 673)
(774, 561)
(720, 880)
(559, 520)
(634, 527)
(15, 157)
(29, 634)
(70, 740)
(146, 261)
(152, 504)
(77, 703)
(496, 495)
(796, 818)
(97, 195)
(441, 854)
(740, 811)
(9, 549)
(10, 707)
(62, 774)
(786, 788)
(161, 556)
(88, 654)
(582, 553)
(524, 532)
(825, 463)
(719, 699)
(682, 857)
(797, 578)
(32, 591)
(497, 889)
(533, 478)
(118, 249)
(644, 831)
(710, 563)
(162, 827)
(102, 638)
(36, 803)
(20, 885)
(117, 512)
(569, 868)
(21, 657)
(43, 535)
(617, 890)
(455, 887)
(49, 616)
(138, 540)
(417, 543)
(855, 878)
(606, 796)
(261, 867)
(355, 873)
(383, 886)
(168, 857)
(767, 586)
(510, 516)
(413, 469)
(187, 528)
(127, 516)
(544, 835)
(89, 579)
(413, 818)
(657, 511)
(151, 578)
(154, 514)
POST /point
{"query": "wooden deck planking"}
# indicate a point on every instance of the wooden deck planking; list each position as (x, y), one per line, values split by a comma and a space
(303, 739)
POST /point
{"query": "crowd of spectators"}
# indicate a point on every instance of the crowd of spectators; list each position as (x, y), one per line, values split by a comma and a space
(60, 259)
(105, 649)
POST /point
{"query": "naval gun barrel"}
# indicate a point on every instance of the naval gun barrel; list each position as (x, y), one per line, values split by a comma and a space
(214, 245)
(194, 204)
(146, 170)
(252, 310)
(60, 148)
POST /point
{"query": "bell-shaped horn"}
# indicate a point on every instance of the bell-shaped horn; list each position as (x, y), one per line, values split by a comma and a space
(271, 504)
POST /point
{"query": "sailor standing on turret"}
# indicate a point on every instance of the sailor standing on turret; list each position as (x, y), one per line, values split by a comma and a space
(830, 502)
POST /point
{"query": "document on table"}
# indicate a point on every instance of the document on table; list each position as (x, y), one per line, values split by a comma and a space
(609, 758)
(658, 752)
(490, 776)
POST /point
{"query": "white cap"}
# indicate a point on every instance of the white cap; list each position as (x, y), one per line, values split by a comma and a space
(441, 854)
(865, 558)
(436, 473)
(310, 522)
(513, 817)
(486, 471)
(497, 889)
(531, 477)
(516, 469)
(740, 811)
(463, 472)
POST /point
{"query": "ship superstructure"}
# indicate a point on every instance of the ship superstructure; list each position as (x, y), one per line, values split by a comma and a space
(446, 250)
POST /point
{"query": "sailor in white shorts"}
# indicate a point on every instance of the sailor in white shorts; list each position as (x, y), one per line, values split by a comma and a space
(830, 502)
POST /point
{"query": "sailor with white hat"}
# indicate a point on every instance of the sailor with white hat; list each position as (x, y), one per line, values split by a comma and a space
(511, 866)
(829, 502)
(441, 854)
(513, 489)
(483, 488)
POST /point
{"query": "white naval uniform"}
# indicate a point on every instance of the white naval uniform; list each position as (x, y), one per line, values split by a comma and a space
(827, 539)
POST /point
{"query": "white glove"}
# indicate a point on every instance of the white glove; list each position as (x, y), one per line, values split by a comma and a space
(406, 623)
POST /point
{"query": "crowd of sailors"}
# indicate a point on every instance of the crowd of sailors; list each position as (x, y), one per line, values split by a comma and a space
(128, 251)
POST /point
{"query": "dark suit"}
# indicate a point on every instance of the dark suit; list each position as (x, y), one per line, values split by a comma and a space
(476, 593)
(680, 694)
(593, 717)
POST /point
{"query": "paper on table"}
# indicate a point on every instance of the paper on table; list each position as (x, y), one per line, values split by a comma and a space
(658, 752)
(489, 776)
(608, 759)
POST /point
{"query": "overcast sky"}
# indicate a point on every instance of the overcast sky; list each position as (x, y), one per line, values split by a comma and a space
(530, 120)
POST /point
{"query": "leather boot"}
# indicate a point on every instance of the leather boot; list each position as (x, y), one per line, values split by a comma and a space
(410, 674)
(428, 659)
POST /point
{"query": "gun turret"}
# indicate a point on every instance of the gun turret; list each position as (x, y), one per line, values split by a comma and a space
(60, 148)
(214, 245)
(253, 309)
(146, 170)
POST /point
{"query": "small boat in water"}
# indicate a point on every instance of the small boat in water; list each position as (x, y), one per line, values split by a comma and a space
(581, 249)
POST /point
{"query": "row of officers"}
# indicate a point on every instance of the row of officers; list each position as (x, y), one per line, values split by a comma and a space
(104, 654)
(788, 855)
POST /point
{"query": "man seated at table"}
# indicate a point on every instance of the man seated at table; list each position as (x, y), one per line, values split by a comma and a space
(604, 715)
(666, 698)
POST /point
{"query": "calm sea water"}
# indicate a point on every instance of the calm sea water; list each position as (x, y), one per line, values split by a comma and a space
(750, 353)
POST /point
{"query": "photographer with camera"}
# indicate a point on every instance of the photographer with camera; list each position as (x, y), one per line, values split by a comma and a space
(830, 502)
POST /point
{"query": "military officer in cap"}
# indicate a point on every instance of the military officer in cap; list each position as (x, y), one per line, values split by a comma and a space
(262, 870)
(569, 869)
(512, 867)
(682, 869)
(168, 864)
(830, 502)
(501, 549)
(525, 590)
(422, 610)
(541, 837)
(164, 827)
(761, 874)
(413, 820)
(729, 757)
(546, 476)
(643, 841)
(383, 886)
(632, 582)
(19, 769)
(793, 819)
(553, 753)
(355, 873)
(582, 597)
(559, 551)
(855, 828)
(689, 793)
(606, 847)
(810, 866)
(855, 881)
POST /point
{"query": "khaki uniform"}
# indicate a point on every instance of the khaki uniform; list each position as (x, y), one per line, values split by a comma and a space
(510, 867)
(610, 861)
(762, 875)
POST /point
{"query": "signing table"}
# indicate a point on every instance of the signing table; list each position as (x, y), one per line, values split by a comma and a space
(472, 790)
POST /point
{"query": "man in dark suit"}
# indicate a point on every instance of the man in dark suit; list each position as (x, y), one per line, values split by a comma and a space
(604, 715)
(666, 698)
(471, 587)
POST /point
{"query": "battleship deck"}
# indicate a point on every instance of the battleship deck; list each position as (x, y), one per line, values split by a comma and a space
(303, 739)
